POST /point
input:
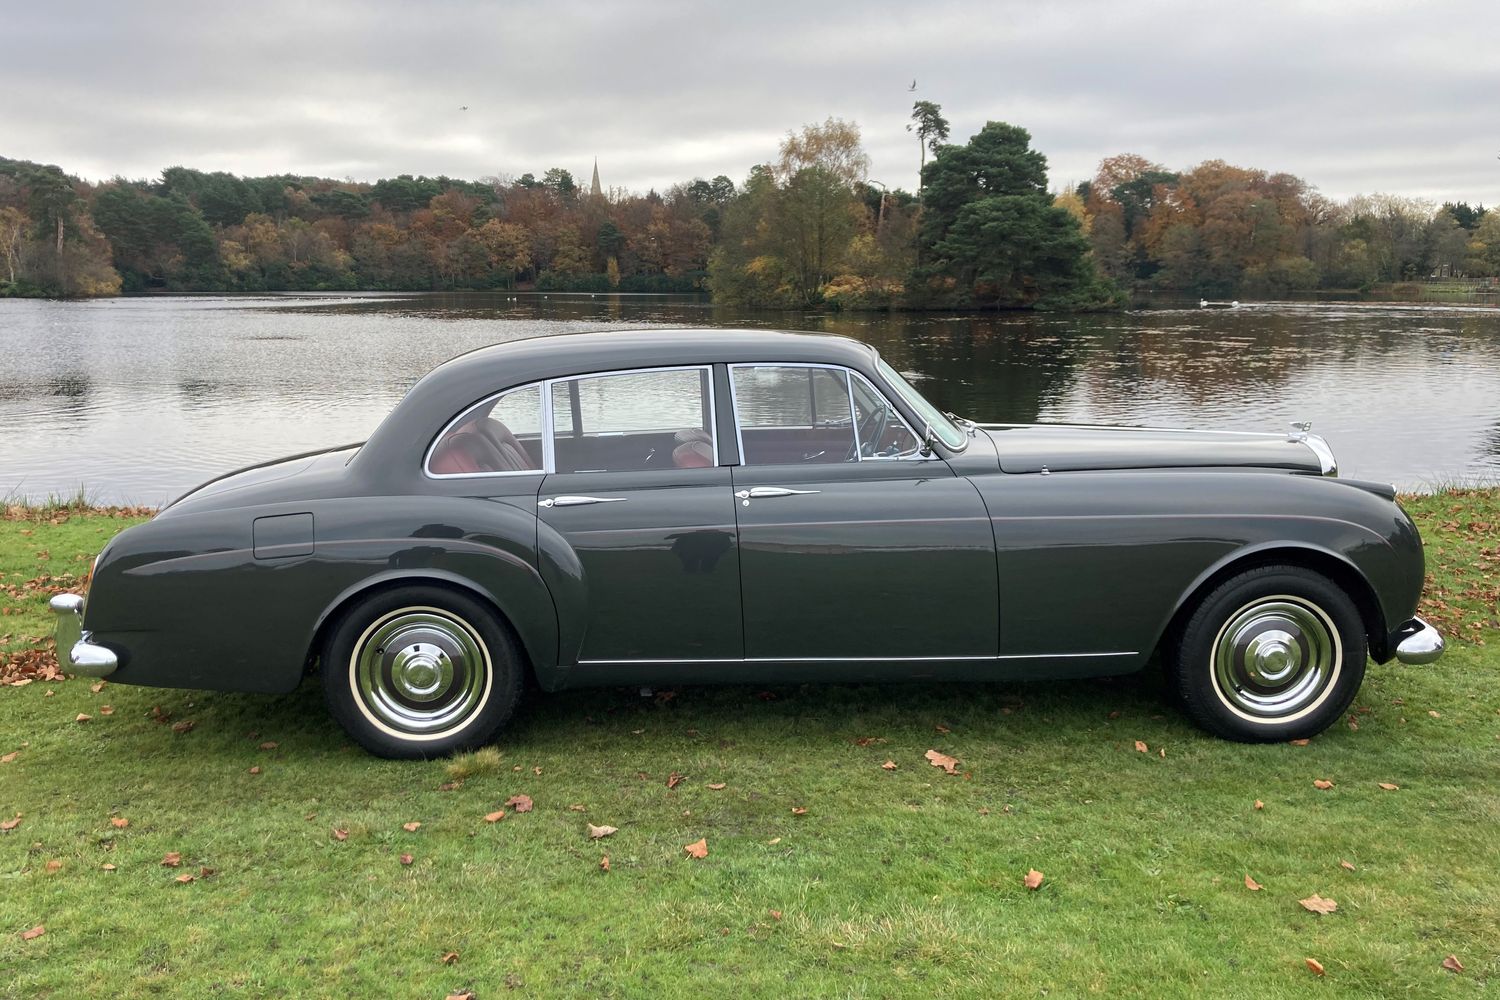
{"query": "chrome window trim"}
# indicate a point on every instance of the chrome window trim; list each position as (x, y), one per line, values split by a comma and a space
(549, 450)
(849, 374)
(963, 444)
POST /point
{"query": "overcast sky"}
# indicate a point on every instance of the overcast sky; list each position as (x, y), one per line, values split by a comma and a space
(1352, 97)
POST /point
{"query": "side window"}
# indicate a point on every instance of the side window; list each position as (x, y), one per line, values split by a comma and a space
(882, 432)
(500, 434)
(789, 414)
(637, 421)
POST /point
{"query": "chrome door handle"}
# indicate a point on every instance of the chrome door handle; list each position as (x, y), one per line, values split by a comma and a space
(571, 501)
(767, 492)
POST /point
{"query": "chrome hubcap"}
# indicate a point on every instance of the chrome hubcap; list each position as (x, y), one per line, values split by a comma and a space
(1275, 657)
(420, 671)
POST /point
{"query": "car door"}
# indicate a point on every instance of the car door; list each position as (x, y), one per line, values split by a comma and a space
(638, 515)
(854, 547)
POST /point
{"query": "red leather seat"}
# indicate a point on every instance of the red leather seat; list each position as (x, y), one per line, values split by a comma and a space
(693, 455)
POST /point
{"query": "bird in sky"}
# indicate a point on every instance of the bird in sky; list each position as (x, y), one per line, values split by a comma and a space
(912, 87)
(463, 107)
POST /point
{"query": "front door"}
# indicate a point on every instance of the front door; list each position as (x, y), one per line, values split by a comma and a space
(637, 528)
(854, 548)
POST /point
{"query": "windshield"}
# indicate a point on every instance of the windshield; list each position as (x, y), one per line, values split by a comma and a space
(926, 412)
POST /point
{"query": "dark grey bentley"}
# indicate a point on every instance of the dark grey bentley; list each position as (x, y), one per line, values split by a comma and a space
(714, 505)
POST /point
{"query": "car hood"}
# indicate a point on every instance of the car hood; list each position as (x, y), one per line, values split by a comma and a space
(1072, 447)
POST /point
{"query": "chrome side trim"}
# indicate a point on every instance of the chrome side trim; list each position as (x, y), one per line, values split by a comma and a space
(572, 501)
(860, 659)
(1424, 644)
(76, 651)
(1327, 464)
(768, 492)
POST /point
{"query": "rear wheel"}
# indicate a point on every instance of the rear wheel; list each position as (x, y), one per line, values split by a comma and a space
(421, 671)
(1274, 653)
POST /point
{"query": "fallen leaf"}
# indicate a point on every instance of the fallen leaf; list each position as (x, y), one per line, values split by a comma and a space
(521, 803)
(864, 741)
(1251, 884)
(255, 770)
(97, 687)
(674, 779)
(119, 822)
(1451, 963)
(718, 786)
(185, 726)
(1322, 784)
(204, 871)
(774, 841)
(1388, 786)
(54, 865)
(599, 832)
(449, 957)
(799, 811)
(536, 771)
(269, 745)
(1315, 965)
(889, 765)
(1033, 879)
(495, 816)
(1115, 714)
(406, 859)
(1299, 743)
(466, 995)
(984, 810)
(107, 867)
(1348, 865)
(697, 849)
(83, 718)
(775, 914)
(340, 834)
(411, 827)
(34, 933)
(1163, 752)
(1434, 714)
(10, 824)
(942, 760)
(578, 807)
(7, 758)
(604, 863)
(943, 729)
(1317, 904)
(1259, 804)
(173, 859)
(450, 786)
(1140, 746)
(106, 710)
(184, 878)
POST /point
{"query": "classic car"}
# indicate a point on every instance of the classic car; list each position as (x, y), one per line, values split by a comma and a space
(691, 507)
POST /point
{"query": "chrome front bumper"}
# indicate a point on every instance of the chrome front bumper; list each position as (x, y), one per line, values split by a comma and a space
(1418, 642)
(76, 652)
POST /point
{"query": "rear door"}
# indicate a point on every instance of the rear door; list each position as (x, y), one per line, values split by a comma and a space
(853, 547)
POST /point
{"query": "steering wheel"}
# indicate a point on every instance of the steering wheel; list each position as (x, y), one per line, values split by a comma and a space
(871, 430)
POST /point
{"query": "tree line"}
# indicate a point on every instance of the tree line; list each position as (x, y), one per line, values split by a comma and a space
(807, 228)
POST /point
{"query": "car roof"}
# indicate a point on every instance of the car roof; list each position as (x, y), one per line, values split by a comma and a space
(454, 385)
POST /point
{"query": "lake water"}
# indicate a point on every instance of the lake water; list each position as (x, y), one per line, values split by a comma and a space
(136, 400)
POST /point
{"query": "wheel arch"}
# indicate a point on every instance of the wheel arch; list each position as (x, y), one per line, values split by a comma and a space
(535, 643)
(1336, 567)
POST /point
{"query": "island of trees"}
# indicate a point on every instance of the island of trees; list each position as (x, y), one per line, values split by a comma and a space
(807, 228)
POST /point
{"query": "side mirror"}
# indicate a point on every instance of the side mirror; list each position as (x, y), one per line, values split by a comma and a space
(929, 442)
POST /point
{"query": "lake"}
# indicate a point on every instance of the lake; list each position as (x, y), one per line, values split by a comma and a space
(136, 400)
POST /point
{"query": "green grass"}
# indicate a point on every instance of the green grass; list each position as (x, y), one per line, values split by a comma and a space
(894, 883)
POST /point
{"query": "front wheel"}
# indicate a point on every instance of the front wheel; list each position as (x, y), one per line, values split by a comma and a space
(421, 671)
(1275, 653)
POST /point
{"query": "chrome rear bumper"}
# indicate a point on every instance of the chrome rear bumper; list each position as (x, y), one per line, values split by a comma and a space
(1418, 642)
(76, 652)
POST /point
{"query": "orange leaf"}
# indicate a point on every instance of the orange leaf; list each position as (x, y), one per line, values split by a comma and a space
(411, 827)
(521, 803)
(185, 726)
(205, 871)
(171, 859)
(10, 824)
(406, 859)
(1434, 714)
(255, 770)
(1299, 743)
(119, 822)
(1251, 884)
(1317, 904)
(943, 729)
(1033, 879)
(340, 834)
(775, 914)
(83, 718)
(604, 863)
(107, 867)
(600, 832)
(697, 849)
(1451, 963)
(799, 811)
(1259, 804)
(1388, 786)
(942, 760)
(1348, 865)
(97, 687)
(7, 758)
(1140, 746)
(54, 865)
(269, 745)
(34, 933)
(578, 807)
(449, 957)
(465, 995)
(889, 765)
(495, 816)
(184, 878)
(1315, 965)
(450, 786)
(1321, 784)
(106, 710)
(718, 786)
(674, 779)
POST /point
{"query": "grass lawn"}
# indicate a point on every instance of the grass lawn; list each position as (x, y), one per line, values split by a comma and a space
(895, 882)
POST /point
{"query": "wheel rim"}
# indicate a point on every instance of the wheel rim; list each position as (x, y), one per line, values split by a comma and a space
(420, 672)
(1276, 657)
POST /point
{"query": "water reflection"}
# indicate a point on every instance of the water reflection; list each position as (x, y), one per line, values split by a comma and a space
(140, 399)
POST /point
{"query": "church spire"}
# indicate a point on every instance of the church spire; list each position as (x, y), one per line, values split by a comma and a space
(594, 190)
